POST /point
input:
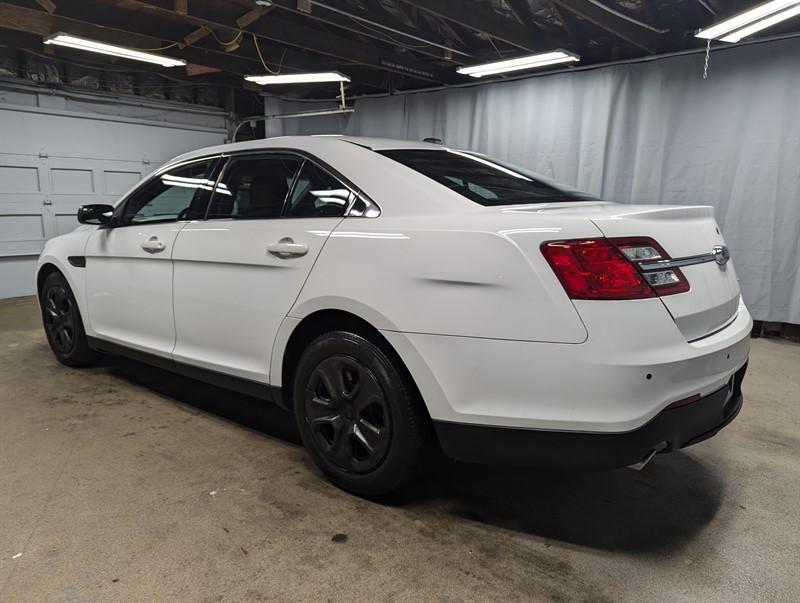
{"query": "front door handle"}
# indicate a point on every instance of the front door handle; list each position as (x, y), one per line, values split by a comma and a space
(153, 245)
(286, 248)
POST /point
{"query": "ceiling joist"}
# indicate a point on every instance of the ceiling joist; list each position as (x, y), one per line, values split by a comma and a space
(223, 16)
(152, 34)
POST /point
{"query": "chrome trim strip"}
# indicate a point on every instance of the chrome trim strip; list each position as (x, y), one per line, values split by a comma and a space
(678, 262)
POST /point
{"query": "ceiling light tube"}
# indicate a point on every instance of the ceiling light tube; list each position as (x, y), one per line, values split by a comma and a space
(298, 78)
(763, 24)
(753, 16)
(529, 62)
(62, 39)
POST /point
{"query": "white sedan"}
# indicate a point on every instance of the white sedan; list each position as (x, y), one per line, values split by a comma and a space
(397, 295)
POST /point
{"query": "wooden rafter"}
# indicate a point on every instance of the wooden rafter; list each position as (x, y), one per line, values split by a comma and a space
(222, 17)
(47, 5)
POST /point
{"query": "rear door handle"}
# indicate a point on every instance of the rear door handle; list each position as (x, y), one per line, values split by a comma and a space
(153, 245)
(286, 248)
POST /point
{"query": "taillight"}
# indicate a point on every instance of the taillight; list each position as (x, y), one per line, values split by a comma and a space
(609, 268)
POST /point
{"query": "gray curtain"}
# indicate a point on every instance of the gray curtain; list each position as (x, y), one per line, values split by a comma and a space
(652, 132)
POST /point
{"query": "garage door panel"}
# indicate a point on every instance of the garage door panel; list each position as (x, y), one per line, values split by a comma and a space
(66, 222)
(71, 181)
(79, 181)
(118, 182)
(19, 179)
(24, 218)
(21, 227)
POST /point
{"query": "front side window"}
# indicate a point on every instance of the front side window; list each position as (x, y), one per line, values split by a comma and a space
(254, 187)
(481, 179)
(174, 195)
(317, 194)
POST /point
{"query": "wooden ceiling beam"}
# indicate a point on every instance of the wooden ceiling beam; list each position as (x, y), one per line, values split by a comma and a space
(182, 7)
(641, 37)
(223, 15)
(47, 5)
(20, 18)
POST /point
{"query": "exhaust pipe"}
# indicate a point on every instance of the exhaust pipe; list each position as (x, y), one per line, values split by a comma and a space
(648, 457)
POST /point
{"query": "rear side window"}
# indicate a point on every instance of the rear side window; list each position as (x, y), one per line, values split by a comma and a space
(254, 187)
(480, 179)
(317, 194)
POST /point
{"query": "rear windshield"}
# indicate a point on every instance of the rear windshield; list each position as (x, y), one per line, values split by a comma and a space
(482, 180)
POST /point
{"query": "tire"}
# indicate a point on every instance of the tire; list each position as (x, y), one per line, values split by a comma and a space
(63, 324)
(360, 419)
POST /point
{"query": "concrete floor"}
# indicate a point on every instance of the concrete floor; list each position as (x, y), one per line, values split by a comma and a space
(126, 483)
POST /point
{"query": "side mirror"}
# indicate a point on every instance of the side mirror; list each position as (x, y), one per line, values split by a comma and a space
(96, 214)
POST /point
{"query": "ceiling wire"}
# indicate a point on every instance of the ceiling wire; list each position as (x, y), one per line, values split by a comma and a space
(387, 28)
(173, 45)
(497, 50)
(706, 6)
(261, 57)
(621, 15)
(388, 37)
(233, 41)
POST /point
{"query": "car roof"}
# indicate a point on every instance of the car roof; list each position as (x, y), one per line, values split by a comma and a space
(306, 143)
(385, 144)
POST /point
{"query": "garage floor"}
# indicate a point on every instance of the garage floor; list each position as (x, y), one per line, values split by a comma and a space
(127, 483)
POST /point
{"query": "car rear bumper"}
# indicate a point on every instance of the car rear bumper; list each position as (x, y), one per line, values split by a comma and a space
(669, 430)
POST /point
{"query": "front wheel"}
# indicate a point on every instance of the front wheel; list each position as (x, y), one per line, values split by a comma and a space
(360, 419)
(62, 322)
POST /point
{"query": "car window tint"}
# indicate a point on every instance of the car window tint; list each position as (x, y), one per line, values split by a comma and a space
(254, 187)
(317, 194)
(169, 196)
(481, 179)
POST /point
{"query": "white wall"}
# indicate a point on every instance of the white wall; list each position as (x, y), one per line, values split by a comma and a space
(60, 150)
(650, 132)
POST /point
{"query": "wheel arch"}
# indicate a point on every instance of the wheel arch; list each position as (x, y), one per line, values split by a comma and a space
(323, 321)
(50, 264)
(43, 271)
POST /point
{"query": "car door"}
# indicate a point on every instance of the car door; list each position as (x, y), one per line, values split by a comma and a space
(129, 264)
(238, 272)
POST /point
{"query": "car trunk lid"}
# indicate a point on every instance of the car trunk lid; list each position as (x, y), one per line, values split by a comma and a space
(689, 233)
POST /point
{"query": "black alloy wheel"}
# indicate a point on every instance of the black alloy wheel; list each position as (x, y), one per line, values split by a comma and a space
(59, 319)
(348, 414)
(62, 322)
(359, 415)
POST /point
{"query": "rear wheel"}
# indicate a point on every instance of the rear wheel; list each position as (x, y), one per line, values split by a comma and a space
(62, 322)
(361, 421)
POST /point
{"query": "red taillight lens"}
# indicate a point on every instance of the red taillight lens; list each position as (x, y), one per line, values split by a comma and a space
(595, 269)
(609, 268)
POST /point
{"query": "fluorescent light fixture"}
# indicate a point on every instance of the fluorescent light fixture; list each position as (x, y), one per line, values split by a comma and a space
(298, 78)
(751, 21)
(763, 24)
(62, 39)
(530, 62)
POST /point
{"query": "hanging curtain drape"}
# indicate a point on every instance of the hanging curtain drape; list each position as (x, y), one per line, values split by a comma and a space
(651, 132)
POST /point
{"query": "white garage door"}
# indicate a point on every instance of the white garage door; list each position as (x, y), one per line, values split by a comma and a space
(53, 161)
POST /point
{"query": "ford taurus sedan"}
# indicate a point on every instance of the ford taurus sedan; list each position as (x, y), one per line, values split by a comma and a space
(397, 296)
